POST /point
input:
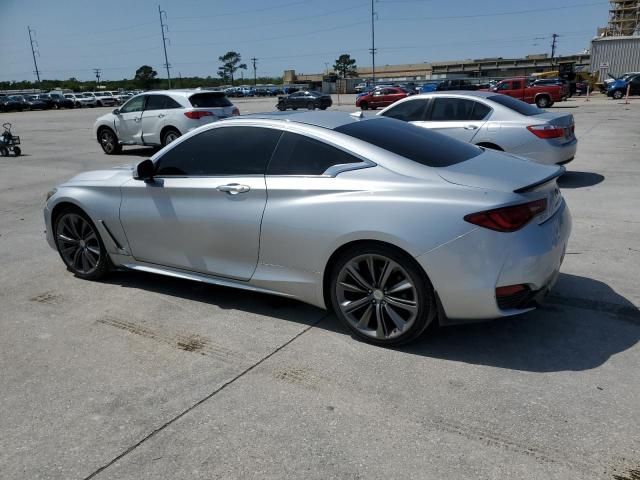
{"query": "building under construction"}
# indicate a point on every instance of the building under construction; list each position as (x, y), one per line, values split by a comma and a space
(624, 18)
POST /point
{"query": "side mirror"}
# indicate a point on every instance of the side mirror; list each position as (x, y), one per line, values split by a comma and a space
(116, 111)
(144, 170)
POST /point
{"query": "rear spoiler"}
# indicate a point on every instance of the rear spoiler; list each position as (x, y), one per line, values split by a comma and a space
(561, 170)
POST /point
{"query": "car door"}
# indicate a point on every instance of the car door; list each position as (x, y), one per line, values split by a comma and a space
(377, 99)
(460, 118)
(510, 88)
(635, 85)
(203, 210)
(155, 116)
(128, 120)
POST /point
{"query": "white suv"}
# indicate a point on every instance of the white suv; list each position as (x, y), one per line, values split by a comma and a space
(158, 118)
(105, 99)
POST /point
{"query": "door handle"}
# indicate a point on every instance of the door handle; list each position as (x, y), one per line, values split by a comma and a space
(137, 119)
(470, 127)
(233, 188)
(161, 115)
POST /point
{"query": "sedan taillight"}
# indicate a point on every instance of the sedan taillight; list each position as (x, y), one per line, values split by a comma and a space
(197, 114)
(235, 112)
(508, 219)
(546, 131)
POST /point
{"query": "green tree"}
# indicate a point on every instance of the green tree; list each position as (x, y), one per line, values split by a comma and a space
(345, 66)
(146, 77)
(230, 65)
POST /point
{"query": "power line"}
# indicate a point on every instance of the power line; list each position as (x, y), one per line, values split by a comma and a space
(164, 42)
(553, 46)
(255, 77)
(33, 52)
(373, 44)
(97, 72)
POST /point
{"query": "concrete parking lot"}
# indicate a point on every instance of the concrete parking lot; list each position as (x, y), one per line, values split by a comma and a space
(142, 376)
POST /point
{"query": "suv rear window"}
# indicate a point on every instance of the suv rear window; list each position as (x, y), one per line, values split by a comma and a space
(415, 143)
(209, 100)
(515, 104)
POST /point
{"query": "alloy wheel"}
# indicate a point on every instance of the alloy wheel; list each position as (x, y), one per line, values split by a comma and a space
(108, 141)
(78, 243)
(170, 137)
(377, 296)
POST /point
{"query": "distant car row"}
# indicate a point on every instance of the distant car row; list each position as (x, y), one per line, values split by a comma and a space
(56, 100)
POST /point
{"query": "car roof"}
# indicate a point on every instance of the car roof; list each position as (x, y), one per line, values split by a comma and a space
(459, 93)
(330, 120)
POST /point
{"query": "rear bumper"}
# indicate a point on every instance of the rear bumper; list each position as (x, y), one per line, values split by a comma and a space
(548, 152)
(466, 271)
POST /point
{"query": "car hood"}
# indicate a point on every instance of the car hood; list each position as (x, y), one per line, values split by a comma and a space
(499, 171)
(112, 176)
(618, 84)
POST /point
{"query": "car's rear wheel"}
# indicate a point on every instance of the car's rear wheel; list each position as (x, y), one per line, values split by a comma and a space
(543, 101)
(79, 245)
(282, 108)
(311, 106)
(4, 152)
(381, 295)
(16, 151)
(169, 136)
(364, 105)
(109, 141)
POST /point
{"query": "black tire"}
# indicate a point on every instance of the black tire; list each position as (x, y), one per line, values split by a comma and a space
(16, 151)
(4, 152)
(99, 103)
(543, 101)
(169, 136)
(84, 256)
(294, 108)
(311, 106)
(415, 305)
(323, 108)
(109, 141)
(364, 105)
(282, 108)
(617, 95)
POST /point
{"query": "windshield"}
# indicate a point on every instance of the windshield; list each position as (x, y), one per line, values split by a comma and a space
(418, 144)
(517, 105)
(209, 100)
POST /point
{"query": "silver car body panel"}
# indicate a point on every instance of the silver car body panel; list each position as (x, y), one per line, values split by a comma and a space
(281, 240)
(503, 127)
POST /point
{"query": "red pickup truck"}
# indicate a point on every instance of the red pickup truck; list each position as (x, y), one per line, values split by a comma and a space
(542, 95)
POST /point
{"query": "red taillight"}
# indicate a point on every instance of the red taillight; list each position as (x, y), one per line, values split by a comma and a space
(508, 219)
(235, 112)
(546, 131)
(509, 290)
(195, 115)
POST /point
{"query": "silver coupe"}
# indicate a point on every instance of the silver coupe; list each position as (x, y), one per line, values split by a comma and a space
(390, 225)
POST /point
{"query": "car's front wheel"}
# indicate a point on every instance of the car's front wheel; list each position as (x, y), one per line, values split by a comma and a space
(618, 94)
(109, 141)
(79, 245)
(381, 295)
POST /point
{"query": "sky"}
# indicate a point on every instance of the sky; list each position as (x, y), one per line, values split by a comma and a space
(75, 36)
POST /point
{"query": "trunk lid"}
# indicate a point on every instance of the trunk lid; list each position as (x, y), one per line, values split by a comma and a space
(500, 171)
(562, 120)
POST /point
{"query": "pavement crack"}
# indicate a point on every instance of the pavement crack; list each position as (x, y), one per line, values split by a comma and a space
(207, 397)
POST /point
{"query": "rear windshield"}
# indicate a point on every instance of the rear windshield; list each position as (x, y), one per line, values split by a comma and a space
(209, 100)
(415, 143)
(517, 105)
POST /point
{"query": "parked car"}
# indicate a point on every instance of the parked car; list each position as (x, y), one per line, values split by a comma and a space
(10, 104)
(92, 99)
(22, 100)
(160, 117)
(428, 87)
(380, 97)
(456, 84)
(55, 100)
(543, 96)
(361, 87)
(581, 88)
(618, 89)
(105, 99)
(390, 225)
(35, 103)
(79, 100)
(305, 99)
(565, 85)
(493, 121)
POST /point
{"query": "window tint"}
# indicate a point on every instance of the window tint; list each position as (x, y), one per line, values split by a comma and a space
(410, 111)
(517, 85)
(209, 100)
(133, 105)
(451, 109)
(414, 143)
(504, 86)
(161, 102)
(300, 155)
(221, 151)
(515, 104)
(480, 111)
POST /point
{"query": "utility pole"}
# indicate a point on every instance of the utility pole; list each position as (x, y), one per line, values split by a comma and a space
(180, 76)
(164, 28)
(33, 52)
(97, 72)
(255, 78)
(553, 46)
(373, 45)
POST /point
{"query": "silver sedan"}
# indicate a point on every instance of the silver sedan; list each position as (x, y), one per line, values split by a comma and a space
(494, 121)
(390, 225)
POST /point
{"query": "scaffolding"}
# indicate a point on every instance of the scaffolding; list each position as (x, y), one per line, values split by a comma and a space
(624, 18)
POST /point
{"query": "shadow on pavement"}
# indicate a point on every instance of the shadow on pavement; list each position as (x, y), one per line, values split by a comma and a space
(567, 334)
(580, 179)
(145, 152)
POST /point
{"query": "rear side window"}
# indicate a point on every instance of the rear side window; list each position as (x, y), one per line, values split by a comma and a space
(418, 144)
(452, 109)
(409, 111)
(515, 104)
(300, 155)
(221, 152)
(209, 100)
(161, 102)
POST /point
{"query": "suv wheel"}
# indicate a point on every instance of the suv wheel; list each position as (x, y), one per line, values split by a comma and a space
(109, 141)
(543, 101)
(618, 94)
(170, 136)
